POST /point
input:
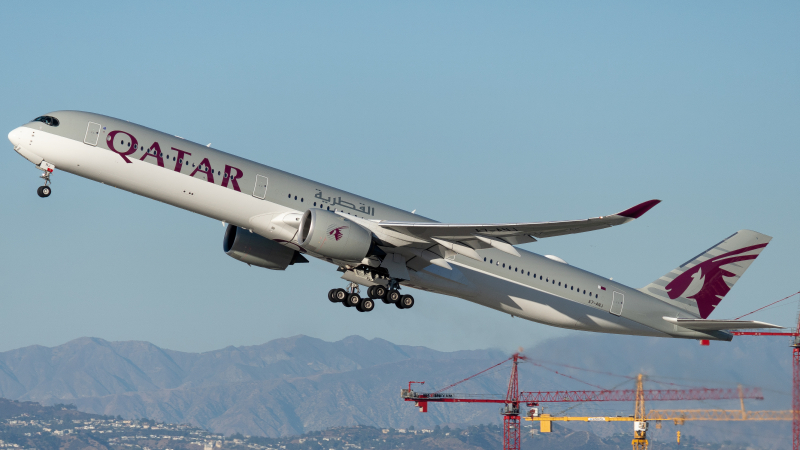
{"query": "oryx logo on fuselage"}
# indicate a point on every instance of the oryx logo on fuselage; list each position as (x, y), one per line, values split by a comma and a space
(336, 232)
(708, 280)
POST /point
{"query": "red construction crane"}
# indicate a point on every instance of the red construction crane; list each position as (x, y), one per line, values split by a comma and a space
(513, 398)
(795, 367)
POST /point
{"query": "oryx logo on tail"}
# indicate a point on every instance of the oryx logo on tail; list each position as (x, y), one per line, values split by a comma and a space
(705, 282)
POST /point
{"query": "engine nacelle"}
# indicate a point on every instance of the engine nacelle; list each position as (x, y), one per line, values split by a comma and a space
(257, 250)
(334, 236)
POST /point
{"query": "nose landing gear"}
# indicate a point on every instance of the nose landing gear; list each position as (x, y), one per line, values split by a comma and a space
(44, 191)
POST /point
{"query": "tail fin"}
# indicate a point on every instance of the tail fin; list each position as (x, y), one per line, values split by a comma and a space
(700, 284)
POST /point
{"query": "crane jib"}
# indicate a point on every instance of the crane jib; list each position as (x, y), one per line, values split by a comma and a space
(627, 395)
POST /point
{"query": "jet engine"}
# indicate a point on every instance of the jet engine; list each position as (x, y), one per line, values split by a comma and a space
(257, 250)
(337, 237)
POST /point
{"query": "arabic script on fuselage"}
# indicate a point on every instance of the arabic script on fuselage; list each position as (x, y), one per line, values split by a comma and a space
(337, 201)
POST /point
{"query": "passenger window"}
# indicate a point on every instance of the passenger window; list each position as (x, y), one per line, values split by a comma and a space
(504, 265)
(515, 269)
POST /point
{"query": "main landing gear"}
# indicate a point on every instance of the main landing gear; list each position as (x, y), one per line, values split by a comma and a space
(350, 297)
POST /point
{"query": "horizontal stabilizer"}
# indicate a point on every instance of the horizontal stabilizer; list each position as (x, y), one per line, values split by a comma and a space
(718, 325)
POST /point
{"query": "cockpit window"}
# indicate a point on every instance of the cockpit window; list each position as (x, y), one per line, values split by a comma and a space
(47, 120)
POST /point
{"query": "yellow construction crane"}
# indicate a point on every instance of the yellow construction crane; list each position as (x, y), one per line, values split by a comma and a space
(678, 416)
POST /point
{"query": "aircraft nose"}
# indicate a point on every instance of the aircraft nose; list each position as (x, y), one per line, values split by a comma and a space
(14, 136)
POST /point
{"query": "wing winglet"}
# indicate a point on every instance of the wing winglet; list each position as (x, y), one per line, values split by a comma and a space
(639, 210)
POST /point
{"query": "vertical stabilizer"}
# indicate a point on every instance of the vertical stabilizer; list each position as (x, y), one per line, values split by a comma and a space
(700, 284)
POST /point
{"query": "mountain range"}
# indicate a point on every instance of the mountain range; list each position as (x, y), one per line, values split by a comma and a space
(294, 385)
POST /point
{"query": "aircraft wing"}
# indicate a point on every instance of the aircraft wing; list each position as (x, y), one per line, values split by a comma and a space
(515, 233)
(719, 325)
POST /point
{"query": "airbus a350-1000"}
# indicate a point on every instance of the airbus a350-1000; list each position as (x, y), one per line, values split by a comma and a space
(276, 219)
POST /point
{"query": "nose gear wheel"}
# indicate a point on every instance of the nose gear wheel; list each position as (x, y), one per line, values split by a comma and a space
(44, 191)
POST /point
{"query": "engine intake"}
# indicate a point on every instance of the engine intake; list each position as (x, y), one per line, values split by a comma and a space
(257, 250)
(334, 236)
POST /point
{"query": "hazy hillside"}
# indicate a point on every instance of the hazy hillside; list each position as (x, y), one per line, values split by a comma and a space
(29, 425)
(294, 385)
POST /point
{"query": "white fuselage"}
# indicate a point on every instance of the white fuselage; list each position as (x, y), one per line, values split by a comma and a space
(531, 286)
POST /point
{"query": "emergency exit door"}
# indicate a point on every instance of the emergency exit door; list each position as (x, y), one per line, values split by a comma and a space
(92, 133)
(616, 303)
(260, 191)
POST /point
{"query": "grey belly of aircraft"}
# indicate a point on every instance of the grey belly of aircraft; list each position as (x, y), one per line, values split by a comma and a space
(524, 301)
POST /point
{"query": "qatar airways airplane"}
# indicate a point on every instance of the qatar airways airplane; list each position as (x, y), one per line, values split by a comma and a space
(275, 218)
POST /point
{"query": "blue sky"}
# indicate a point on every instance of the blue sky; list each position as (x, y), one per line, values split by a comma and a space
(465, 111)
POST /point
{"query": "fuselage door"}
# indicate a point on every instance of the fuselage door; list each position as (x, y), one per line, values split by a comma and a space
(92, 133)
(616, 303)
(260, 191)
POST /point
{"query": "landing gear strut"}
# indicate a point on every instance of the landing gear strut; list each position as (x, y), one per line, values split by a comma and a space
(44, 191)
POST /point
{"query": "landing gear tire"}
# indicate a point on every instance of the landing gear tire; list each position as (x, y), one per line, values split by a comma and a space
(380, 292)
(352, 300)
(44, 191)
(406, 302)
(377, 292)
(366, 305)
(392, 296)
(332, 296)
(339, 295)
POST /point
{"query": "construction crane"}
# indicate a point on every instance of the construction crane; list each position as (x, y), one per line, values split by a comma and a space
(795, 345)
(678, 416)
(513, 398)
